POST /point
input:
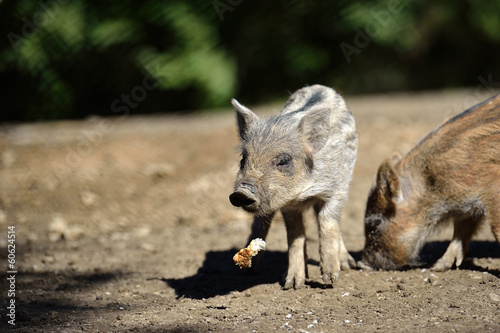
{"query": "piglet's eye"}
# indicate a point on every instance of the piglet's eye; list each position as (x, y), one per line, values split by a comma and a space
(376, 222)
(284, 161)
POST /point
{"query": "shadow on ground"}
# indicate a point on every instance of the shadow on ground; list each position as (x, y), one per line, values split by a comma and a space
(51, 298)
(220, 276)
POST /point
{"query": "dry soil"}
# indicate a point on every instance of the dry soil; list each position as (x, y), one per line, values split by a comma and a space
(124, 225)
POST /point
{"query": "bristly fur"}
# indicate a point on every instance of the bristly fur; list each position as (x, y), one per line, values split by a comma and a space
(451, 176)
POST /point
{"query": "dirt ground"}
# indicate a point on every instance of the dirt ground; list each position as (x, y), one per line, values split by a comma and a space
(124, 225)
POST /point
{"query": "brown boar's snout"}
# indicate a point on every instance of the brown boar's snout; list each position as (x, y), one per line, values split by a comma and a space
(375, 259)
(244, 196)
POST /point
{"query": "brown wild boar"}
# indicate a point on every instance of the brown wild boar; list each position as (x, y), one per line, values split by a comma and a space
(300, 158)
(452, 175)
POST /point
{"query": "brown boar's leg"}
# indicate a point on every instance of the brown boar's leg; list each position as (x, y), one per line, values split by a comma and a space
(463, 230)
(495, 228)
(260, 228)
(494, 218)
(297, 257)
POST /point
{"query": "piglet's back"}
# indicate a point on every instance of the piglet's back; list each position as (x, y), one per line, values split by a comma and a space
(342, 127)
(463, 152)
(317, 97)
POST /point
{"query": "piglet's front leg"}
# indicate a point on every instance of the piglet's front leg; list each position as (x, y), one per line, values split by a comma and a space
(260, 228)
(462, 233)
(297, 256)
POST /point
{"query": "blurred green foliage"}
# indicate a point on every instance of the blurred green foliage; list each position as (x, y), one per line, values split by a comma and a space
(72, 58)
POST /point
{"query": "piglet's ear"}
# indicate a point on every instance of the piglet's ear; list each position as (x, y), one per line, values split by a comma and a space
(395, 158)
(388, 182)
(315, 127)
(244, 117)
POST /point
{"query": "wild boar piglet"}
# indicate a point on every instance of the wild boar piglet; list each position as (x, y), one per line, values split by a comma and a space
(452, 175)
(300, 158)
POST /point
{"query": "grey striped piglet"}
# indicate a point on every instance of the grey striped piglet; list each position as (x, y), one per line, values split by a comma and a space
(303, 157)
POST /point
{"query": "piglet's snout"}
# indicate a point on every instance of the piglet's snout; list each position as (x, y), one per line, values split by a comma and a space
(244, 196)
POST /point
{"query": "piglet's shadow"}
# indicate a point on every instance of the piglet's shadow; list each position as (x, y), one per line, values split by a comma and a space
(220, 276)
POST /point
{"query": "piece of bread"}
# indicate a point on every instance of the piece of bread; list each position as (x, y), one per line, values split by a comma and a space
(244, 256)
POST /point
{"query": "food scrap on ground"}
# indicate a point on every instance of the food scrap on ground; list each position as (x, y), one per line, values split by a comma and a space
(244, 256)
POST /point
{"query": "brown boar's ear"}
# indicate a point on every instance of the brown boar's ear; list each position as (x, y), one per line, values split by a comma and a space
(388, 181)
(244, 117)
(315, 126)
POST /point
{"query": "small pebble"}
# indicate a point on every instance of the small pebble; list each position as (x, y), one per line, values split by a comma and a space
(495, 297)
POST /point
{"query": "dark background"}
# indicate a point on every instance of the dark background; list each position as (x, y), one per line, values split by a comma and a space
(62, 59)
